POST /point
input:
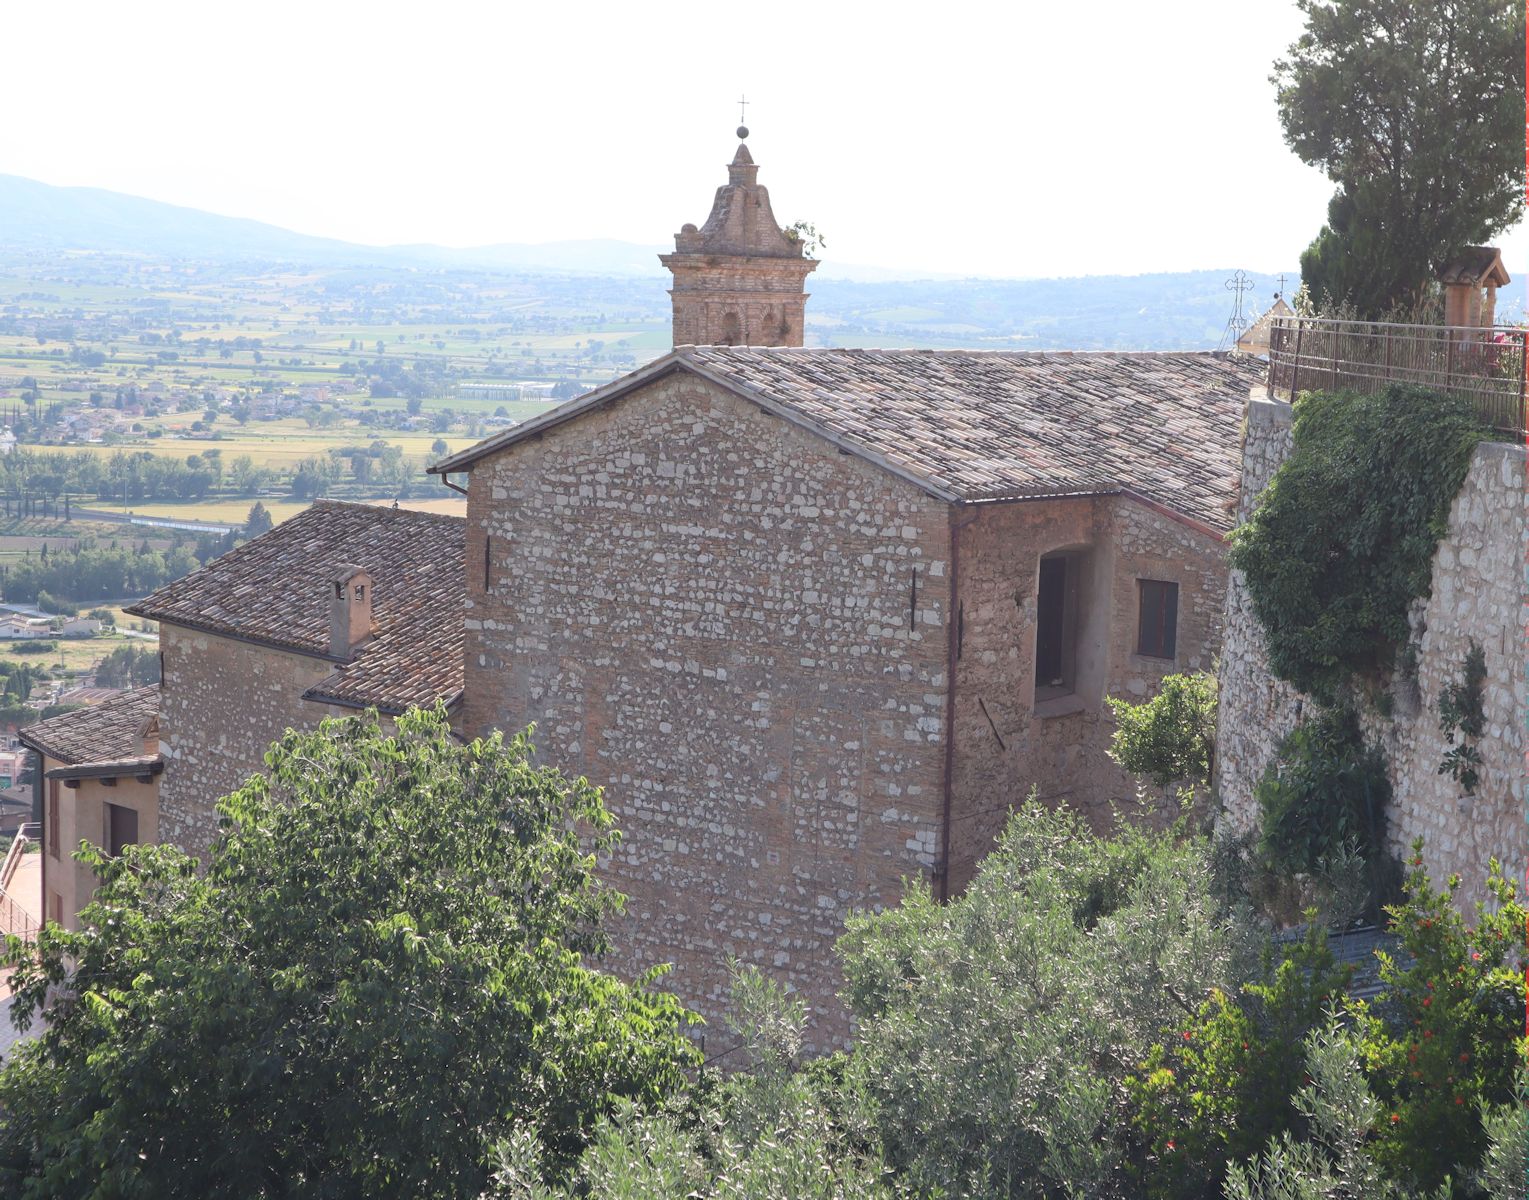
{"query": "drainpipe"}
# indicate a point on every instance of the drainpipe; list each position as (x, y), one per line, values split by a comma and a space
(952, 645)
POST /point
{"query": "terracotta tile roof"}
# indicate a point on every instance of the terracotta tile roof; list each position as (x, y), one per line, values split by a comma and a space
(985, 425)
(274, 590)
(110, 732)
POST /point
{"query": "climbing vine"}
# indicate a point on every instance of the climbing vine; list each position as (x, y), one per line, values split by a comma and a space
(1462, 714)
(1324, 796)
(1342, 541)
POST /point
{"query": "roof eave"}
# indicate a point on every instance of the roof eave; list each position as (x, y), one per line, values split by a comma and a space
(313, 694)
(107, 770)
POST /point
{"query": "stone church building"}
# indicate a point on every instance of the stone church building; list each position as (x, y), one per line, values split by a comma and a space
(815, 619)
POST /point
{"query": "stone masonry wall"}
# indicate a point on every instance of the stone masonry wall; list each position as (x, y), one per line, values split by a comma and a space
(1478, 593)
(1004, 742)
(740, 634)
(222, 703)
(1255, 710)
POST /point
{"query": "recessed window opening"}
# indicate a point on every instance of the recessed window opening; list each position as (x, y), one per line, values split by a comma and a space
(121, 828)
(1056, 626)
(1157, 623)
(732, 329)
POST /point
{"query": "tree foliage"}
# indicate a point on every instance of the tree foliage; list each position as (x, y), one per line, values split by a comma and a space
(1343, 538)
(1171, 737)
(128, 666)
(1324, 794)
(1413, 108)
(766, 1132)
(996, 1033)
(1215, 1092)
(380, 974)
(258, 521)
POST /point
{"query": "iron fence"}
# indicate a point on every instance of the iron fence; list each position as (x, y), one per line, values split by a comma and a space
(15, 919)
(1485, 366)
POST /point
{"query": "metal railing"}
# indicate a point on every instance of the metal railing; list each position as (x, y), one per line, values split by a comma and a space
(14, 918)
(1485, 366)
(27, 834)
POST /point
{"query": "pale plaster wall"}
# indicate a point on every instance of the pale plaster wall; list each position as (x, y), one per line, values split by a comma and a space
(82, 818)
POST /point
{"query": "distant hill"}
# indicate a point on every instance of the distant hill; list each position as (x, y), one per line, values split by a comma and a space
(851, 305)
(38, 216)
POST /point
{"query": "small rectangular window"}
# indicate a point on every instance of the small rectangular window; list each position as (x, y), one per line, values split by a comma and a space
(1157, 629)
(121, 828)
(52, 818)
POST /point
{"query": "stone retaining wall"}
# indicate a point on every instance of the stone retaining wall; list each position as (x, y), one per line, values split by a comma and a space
(1479, 594)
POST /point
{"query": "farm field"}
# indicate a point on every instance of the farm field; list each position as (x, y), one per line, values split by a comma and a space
(280, 510)
(278, 444)
(73, 659)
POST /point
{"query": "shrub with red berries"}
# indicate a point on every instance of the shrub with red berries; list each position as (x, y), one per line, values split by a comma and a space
(1446, 1035)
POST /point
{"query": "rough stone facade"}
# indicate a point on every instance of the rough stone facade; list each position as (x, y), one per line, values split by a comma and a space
(222, 703)
(712, 614)
(1005, 740)
(1255, 709)
(1478, 593)
(744, 635)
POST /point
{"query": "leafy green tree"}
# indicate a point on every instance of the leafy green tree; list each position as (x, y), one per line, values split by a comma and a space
(767, 1132)
(1414, 109)
(128, 666)
(996, 1033)
(381, 973)
(1219, 1088)
(1332, 1163)
(1448, 1037)
(1171, 737)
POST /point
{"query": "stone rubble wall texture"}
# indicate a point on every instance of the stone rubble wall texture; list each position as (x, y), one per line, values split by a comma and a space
(739, 632)
(222, 703)
(1002, 747)
(1478, 593)
(720, 300)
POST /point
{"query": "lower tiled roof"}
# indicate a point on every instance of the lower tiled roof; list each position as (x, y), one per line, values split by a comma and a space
(275, 589)
(109, 732)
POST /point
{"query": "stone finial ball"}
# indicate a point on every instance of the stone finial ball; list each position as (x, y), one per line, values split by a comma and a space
(743, 131)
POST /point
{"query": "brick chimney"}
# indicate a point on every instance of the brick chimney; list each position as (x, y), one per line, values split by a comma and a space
(350, 610)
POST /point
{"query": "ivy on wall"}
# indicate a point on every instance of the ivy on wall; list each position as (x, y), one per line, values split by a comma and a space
(1462, 715)
(1324, 797)
(1342, 540)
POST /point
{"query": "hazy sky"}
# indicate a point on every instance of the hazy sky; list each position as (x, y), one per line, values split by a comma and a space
(1014, 138)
